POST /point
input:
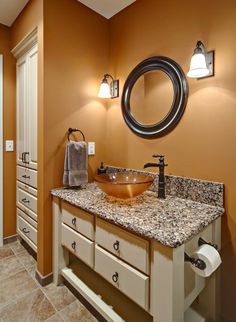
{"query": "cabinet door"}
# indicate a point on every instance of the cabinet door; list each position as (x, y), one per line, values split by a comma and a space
(32, 107)
(21, 68)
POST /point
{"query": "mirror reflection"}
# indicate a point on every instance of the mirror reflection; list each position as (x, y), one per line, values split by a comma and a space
(151, 97)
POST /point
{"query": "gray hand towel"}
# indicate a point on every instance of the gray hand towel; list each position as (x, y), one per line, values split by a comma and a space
(76, 164)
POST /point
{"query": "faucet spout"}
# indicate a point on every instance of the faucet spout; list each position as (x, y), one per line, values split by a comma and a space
(150, 165)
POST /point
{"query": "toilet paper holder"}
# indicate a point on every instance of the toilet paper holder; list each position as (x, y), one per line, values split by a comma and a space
(201, 242)
(197, 262)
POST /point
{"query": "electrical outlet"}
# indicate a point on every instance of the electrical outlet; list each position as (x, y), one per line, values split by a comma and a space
(91, 148)
(9, 145)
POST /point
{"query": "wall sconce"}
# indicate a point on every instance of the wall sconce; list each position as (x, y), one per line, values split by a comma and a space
(109, 90)
(202, 62)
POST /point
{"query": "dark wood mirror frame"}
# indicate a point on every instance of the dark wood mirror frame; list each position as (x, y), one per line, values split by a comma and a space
(180, 86)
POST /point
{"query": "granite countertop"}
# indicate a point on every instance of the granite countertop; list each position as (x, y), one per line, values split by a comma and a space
(172, 221)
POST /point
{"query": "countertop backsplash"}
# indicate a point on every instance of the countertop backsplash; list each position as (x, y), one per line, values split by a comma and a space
(211, 193)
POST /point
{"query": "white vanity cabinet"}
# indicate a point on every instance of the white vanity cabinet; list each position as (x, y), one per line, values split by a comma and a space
(152, 275)
(126, 246)
(26, 53)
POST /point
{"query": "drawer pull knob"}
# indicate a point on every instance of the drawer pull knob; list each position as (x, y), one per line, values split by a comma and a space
(73, 221)
(73, 245)
(25, 200)
(115, 277)
(25, 231)
(116, 245)
(25, 176)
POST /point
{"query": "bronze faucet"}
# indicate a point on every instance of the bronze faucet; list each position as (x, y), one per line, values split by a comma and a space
(161, 165)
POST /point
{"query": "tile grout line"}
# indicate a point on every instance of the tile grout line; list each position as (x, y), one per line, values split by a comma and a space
(38, 286)
(24, 268)
(57, 311)
(17, 297)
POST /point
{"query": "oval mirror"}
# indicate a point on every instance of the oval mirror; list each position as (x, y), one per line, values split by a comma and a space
(154, 97)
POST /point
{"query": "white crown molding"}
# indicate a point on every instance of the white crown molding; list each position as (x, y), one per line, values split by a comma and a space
(26, 43)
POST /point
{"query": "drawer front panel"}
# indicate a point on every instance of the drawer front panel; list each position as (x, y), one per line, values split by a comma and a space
(28, 212)
(128, 280)
(78, 219)
(27, 230)
(126, 246)
(26, 200)
(27, 176)
(27, 188)
(79, 245)
(26, 218)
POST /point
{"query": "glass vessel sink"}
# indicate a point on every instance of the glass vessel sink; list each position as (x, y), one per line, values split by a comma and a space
(123, 185)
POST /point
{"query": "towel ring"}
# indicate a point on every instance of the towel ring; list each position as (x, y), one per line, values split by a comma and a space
(71, 130)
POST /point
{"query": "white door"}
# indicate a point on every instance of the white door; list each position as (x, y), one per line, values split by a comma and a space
(21, 97)
(32, 107)
(1, 150)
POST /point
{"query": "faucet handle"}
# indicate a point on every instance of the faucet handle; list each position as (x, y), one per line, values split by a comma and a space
(162, 159)
(158, 156)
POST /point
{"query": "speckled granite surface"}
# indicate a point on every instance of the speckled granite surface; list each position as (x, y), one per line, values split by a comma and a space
(208, 192)
(172, 221)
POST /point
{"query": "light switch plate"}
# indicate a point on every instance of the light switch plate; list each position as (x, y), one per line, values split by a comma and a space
(9, 145)
(91, 148)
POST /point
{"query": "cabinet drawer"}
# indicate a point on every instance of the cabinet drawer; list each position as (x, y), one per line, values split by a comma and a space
(79, 245)
(25, 200)
(128, 280)
(27, 176)
(25, 229)
(28, 212)
(78, 219)
(131, 248)
(27, 188)
(26, 217)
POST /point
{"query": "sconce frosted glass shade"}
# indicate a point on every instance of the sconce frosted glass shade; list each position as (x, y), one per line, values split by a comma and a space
(104, 91)
(198, 66)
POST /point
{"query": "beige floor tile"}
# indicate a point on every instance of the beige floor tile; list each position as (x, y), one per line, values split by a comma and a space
(26, 259)
(5, 251)
(33, 307)
(17, 247)
(31, 271)
(9, 266)
(77, 312)
(60, 296)
(15, 286)
(55, 318)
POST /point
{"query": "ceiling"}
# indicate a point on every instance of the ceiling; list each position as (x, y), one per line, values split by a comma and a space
(10, 9)
(107, 8)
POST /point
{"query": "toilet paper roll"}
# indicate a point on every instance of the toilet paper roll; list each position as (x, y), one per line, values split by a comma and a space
(210, 256)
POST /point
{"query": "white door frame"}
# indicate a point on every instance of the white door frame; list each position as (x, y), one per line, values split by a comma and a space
(1, 150)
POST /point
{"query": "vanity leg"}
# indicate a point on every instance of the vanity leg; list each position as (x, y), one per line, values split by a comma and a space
(167, 287)
(60, 254)
(208, 301)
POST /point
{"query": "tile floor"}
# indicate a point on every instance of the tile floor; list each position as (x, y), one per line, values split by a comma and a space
(22, 299)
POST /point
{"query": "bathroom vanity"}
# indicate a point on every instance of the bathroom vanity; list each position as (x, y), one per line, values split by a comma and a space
(138, 245)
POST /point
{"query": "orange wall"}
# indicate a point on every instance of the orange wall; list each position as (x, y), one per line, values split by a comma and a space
(75, 59)
(9, 133)
(70, 69)
(203, 143)
(30, 17)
